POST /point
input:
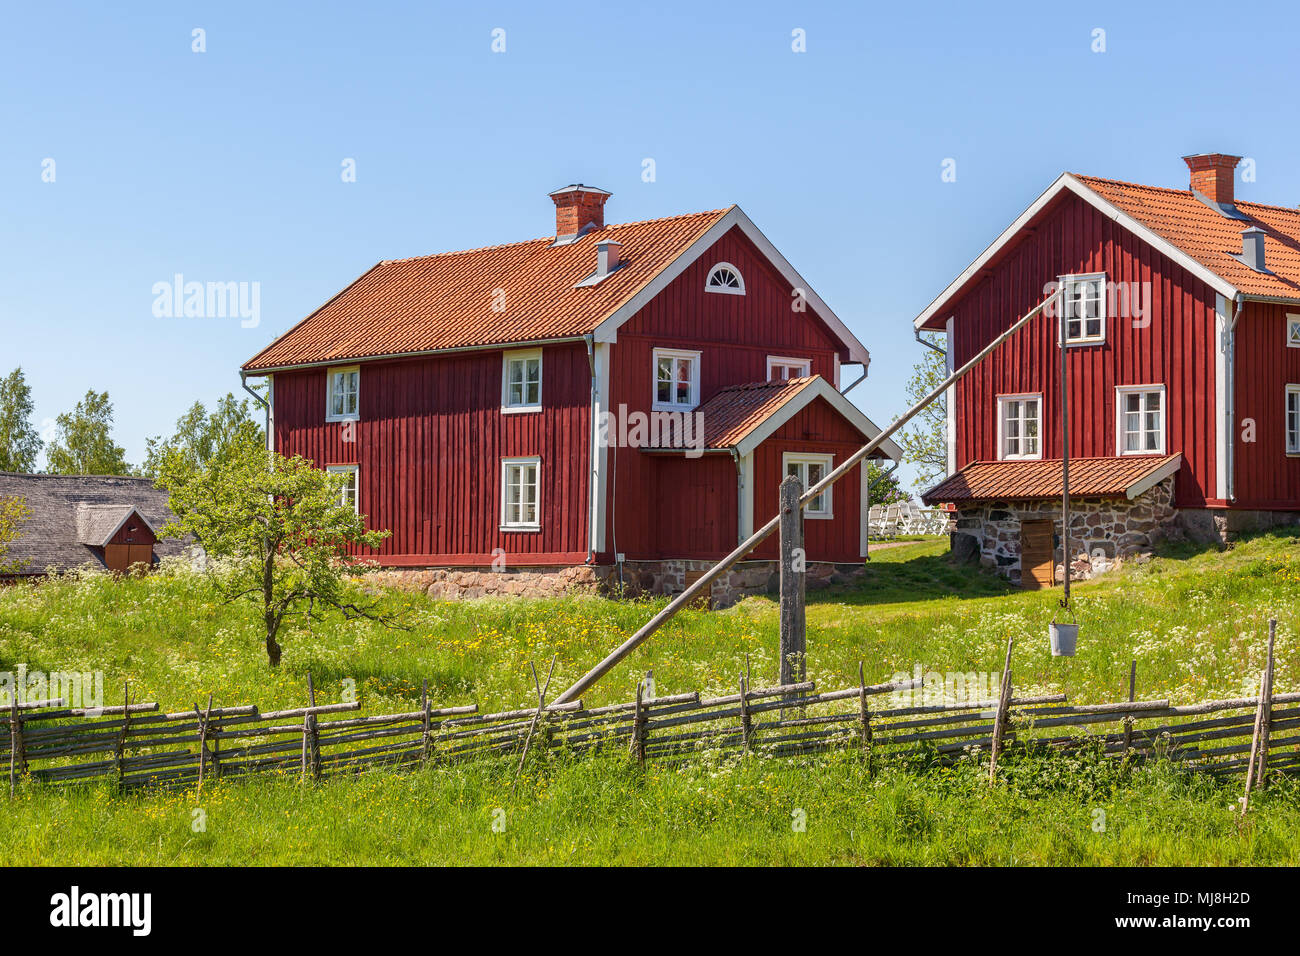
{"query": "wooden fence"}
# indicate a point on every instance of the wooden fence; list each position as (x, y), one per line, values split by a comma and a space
(135, 744)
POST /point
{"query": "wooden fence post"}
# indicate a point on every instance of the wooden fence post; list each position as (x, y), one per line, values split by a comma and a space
(426, 723)
(1132, 696)
(1263, 715)
(638, 725)
(746, 725)
(120, 750)
(310, 735)
(17, 752)
(203, 739)
(864, 716)
(1000, 722)
(793, 567)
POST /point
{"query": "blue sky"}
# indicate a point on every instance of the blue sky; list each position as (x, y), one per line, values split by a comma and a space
(225, 165)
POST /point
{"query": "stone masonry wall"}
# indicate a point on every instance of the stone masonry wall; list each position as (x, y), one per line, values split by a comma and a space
(639, 578)
(1103, 531)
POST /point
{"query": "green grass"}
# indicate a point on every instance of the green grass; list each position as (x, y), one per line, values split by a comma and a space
(1195, 622)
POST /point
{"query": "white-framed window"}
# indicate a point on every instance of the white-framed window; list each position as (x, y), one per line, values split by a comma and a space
(1084, 300)
(676, 379)
(348, 496)
(1293, 419)
(521, 494)
(521, 381)
(810, 469)
(1019, 432)
(781, 367)
(725, 278)
(1293, 331)
(1140, 419)
(343, 399)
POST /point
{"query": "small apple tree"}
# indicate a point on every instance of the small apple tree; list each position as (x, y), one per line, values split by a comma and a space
(278, 529)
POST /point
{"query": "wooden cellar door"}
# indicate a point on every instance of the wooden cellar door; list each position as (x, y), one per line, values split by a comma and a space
(1037, 554)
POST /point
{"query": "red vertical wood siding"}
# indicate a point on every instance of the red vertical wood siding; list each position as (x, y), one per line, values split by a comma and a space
(429, 444)
(1177, 348)
(1266, 477)
(734, 335)
(821, 430)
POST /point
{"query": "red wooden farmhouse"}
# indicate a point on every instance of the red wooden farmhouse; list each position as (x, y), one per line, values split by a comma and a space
(609, 403)
(1183, 356)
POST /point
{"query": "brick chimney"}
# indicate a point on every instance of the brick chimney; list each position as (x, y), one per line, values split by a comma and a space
(578, 210)
(1212, 176)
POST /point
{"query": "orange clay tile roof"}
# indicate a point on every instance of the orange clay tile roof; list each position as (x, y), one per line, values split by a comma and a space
(1212, 238)
(736, 411)
(1020, 480)
(445, 301)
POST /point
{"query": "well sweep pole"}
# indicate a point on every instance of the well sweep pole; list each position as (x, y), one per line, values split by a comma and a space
(758, 537)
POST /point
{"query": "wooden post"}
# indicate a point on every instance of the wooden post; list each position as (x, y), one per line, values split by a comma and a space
(1267, 724)
(1000, 722)
(541, 710)
(793, 566)
(864, 716)
(203, 740)
(17, 756)
(1132, 696)
(310, 735)
(120, 750)
(1258, 745)
(426, 723)
(746, 725)
(638, 725)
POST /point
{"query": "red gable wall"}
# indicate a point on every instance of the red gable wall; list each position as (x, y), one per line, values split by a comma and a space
(1177, 348)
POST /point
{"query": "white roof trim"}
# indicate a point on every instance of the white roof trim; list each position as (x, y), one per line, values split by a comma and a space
(1064, 182)
(607, 330)
(819, 388)
(1149, 481)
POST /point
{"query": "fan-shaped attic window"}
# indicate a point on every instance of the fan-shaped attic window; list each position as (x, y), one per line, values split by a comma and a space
(724, 277)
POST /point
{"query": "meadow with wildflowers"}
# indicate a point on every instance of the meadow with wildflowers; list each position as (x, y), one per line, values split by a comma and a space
(1194, 622)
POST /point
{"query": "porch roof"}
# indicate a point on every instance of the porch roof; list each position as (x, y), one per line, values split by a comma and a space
(1125, 476)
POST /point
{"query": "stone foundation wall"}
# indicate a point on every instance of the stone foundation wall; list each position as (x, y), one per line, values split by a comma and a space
(639, 578)
(1103, 531)
(1223, 526)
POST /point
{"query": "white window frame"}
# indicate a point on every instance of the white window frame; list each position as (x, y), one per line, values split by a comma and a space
(1292, 330)
(506, 465)
(1102, 303)
(520, 355)
(1002, 419)
(787, 362)
(1292, 443)
(330, 375)
(804, 459)
(674, 354)
(355, 471)
(723, 289)
(1121, 392)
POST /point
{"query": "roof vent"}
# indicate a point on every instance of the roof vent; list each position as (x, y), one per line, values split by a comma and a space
(607, 261)
(1252, 248)
(578, 210)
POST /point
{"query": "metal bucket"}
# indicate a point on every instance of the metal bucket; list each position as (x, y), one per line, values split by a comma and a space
(1063, 637)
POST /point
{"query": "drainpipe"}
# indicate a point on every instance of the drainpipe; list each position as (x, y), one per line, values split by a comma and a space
(857, 381)
(866, 505)
(590, 341)
(916, 334)
(740, 496)
(1230, 347)
(266, 407)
